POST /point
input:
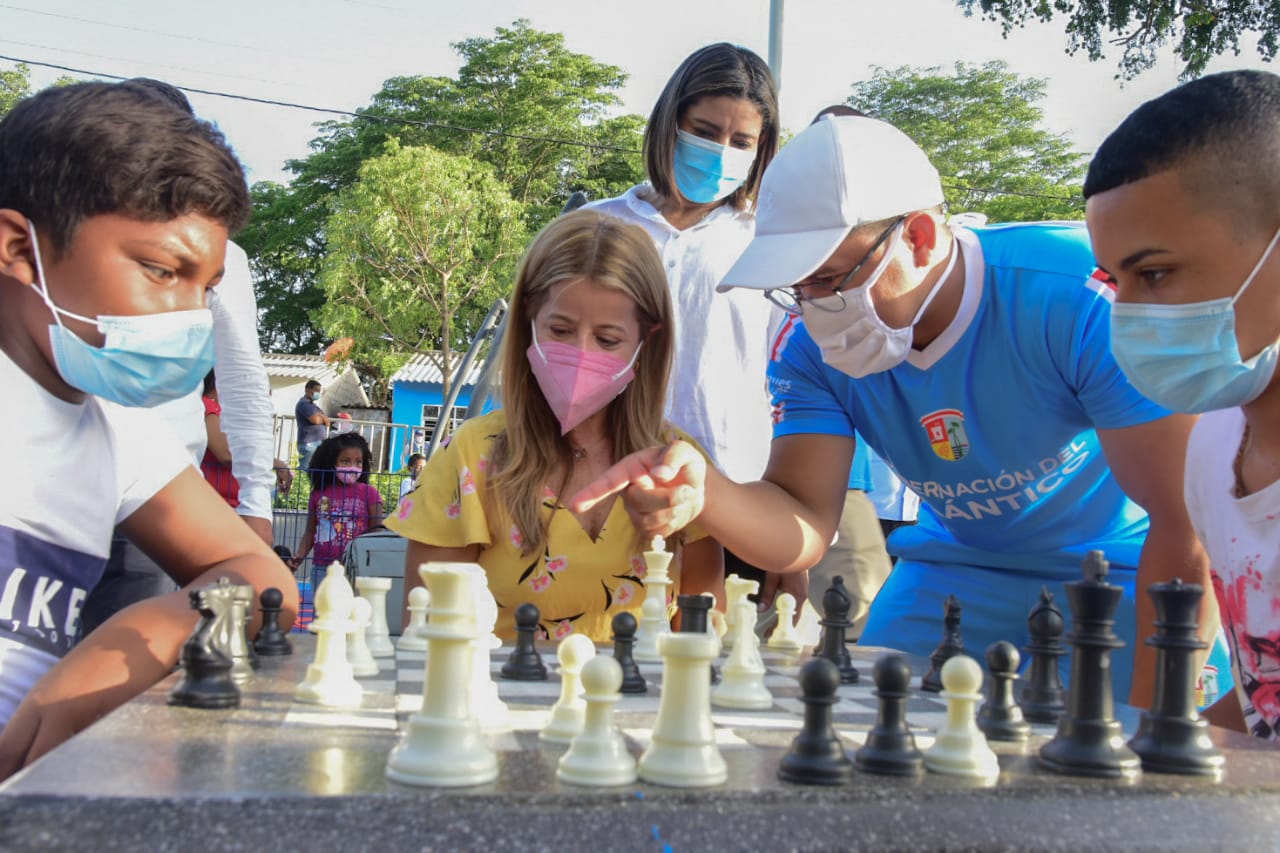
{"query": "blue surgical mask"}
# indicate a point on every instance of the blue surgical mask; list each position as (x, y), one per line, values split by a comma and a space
(707, 171)
(1186, 357)
(145, 360)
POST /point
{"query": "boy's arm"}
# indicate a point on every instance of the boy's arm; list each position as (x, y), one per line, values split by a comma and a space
(702, 570)
(1148, 462)
(187, 528)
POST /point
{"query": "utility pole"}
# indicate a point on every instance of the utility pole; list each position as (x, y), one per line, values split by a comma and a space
(775, 41)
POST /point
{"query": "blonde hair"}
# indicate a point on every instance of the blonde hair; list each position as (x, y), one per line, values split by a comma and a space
(615, 255)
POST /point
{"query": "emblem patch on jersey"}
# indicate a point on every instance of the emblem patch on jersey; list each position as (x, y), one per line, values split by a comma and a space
(945, 429)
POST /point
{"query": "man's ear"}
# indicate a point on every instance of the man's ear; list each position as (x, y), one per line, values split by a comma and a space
(17, 256)
(921, 231)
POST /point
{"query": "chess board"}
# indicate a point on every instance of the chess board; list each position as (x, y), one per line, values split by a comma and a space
(396, 693)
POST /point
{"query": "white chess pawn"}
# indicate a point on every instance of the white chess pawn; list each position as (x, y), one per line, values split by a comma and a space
(598, 756)
(378, 634)
(960, 748)
(329, 680)
(362, 663)
(411, 638)
(785, 637)
(569, 712)
(742, 685)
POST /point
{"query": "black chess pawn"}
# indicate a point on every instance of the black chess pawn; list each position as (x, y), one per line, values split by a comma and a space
(271, 641)
(836, 604)
(950, 646)
(1089, 741)
(1000, 718)
(624, 640)
(1173, 737)
(1043, 699)
(206, 681)
(816, 756)
(525, 663)
(890, 749)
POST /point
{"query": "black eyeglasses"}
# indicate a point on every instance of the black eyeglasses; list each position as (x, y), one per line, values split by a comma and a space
(789, 299)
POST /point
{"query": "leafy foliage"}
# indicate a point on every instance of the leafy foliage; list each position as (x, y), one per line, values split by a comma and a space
(1198, 29)
(522, 103)
(419, 246)
(981, 127)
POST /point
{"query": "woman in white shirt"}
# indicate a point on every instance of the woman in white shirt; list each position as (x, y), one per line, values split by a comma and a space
(710, 136)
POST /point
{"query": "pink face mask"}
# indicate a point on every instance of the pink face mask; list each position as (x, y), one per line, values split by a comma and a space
(348, 475)
(577, 383)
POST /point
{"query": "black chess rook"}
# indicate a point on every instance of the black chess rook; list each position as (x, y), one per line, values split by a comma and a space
(1089, 741)
(951, 645)
(525, 663)
(271, 641)
(1173, 737)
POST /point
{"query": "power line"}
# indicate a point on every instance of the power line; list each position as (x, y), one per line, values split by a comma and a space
(442, 126)
(156, 64)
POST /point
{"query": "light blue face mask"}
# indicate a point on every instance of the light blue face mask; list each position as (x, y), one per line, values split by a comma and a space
(1186, 357)
(707, 171)
(146, 360)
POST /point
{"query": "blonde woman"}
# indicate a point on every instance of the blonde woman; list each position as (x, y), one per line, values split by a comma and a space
(584, 364)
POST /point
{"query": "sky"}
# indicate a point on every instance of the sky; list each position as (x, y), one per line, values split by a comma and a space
(337, 53)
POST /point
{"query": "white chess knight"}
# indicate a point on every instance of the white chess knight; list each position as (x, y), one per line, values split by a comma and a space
(653, 612)
(442, 744)
(488, 708)
(598, 755)
(329, 679)
(378, 634)
(785, 637)
(683, 751)
(363, 664)
(742, 685)
(569, 713)
(960, 748)
(412, 636)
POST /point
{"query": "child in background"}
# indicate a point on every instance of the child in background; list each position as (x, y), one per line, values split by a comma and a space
(216, 464)
(1182, 207)
(343, 504)
(416, 461)
(584, 367)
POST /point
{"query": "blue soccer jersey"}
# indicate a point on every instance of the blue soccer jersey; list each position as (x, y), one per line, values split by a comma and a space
(993, 424)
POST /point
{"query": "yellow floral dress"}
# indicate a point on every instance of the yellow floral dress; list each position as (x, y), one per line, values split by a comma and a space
(578, 583)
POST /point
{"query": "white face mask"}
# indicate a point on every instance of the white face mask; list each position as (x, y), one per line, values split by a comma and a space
(853, 338)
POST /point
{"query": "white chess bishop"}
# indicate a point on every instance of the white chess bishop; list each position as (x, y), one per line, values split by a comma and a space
(329, 679)
(442, 744)
(960, 748)
(598, 755)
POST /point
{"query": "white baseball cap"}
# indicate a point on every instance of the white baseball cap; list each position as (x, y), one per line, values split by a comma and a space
(836, 174)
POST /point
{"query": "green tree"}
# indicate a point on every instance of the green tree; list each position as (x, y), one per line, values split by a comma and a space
(419, 246)
(981, 127)
(522, 102)
(15, 84)
(1198, 29)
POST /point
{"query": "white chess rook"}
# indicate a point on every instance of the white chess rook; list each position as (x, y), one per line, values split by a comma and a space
(568, 715)
(598, 756)
(442, 744)
(960, 748)
(683, 751)
(653, 613)
(412, 636)
(742, 685)
(378, 634)
(329, 679)
(363, 664)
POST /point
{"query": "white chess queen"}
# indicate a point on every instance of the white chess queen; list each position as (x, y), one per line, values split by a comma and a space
(584, 362)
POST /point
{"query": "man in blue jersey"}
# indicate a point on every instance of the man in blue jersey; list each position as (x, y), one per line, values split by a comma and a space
(976, 363)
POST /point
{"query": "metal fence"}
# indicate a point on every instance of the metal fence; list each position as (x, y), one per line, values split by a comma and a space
(384, 439)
